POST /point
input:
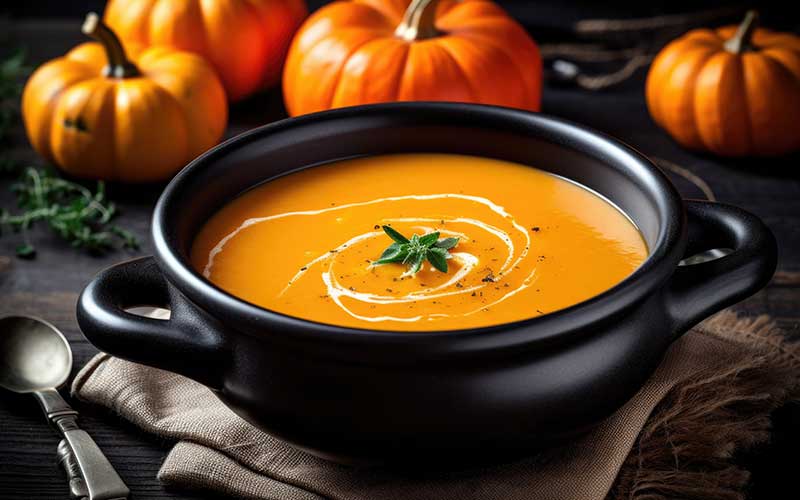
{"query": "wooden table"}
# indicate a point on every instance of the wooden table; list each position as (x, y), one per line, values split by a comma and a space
(49, 285)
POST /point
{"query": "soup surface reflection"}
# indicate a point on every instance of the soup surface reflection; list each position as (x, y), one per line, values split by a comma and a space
(529, 243)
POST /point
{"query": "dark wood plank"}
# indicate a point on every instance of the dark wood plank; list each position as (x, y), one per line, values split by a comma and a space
(48, 286)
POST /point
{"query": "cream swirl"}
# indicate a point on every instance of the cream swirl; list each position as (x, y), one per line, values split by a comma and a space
(323, 266)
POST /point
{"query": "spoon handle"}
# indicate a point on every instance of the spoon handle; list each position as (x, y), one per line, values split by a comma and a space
(102, 481)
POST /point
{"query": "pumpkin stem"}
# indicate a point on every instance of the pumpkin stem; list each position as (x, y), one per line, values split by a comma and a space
(418, 21)
(119, 66)
(741, 40)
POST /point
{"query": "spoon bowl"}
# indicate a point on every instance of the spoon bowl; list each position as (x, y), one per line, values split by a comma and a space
(34, 355)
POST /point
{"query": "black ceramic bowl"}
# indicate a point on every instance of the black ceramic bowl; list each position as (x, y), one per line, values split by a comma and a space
(352, 394)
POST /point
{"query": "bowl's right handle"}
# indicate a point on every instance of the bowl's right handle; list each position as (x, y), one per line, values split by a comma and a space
(189, 343)
(699, 290)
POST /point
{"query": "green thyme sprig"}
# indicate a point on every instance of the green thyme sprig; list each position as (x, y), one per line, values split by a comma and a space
(416, 250)
(12, 69)
(75, 213)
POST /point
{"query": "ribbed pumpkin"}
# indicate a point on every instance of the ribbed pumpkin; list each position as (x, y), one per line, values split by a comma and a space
(98, 114)
(245, 40)
(731, 91)
(368, 51)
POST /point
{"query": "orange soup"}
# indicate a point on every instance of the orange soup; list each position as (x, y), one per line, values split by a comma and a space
(516, 242)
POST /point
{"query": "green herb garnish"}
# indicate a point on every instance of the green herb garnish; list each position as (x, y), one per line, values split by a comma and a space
(416, 250)
(73, 212)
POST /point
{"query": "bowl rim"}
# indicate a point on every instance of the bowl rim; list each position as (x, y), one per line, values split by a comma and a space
(250, 318)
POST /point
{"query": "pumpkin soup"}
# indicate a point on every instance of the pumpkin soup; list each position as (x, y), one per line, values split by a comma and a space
(418, 242)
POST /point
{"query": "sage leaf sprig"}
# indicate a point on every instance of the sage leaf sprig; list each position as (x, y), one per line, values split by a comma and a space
(416, 250)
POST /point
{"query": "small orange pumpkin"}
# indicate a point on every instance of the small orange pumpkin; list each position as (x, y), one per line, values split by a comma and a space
(245, 40)
(369, 51)
(732, 91)
(99, 115)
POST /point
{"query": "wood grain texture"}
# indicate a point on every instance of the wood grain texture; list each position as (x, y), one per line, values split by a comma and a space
(49, 285)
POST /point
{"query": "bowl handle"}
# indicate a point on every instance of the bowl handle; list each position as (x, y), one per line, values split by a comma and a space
(699, 290)
(189, 343)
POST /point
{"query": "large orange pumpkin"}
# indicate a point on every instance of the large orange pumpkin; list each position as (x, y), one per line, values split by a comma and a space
(245, 40)
(368, 51)
(732, 91)
(98, 114)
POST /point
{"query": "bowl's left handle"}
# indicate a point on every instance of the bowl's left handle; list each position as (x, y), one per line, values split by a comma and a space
(189, 343)
(699, 290)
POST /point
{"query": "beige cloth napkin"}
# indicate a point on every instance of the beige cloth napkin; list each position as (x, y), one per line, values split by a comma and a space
(725, 364)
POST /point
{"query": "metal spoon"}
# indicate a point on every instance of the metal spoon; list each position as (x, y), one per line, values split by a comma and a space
(36, 358)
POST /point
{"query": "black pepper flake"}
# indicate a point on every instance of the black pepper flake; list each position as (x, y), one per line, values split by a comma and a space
(505, 285)
(459, 285)
(352, 289)
(303, 268)
(535, 229)
(389, 290)
(489, 278)
(376, 226)
(474, 294)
